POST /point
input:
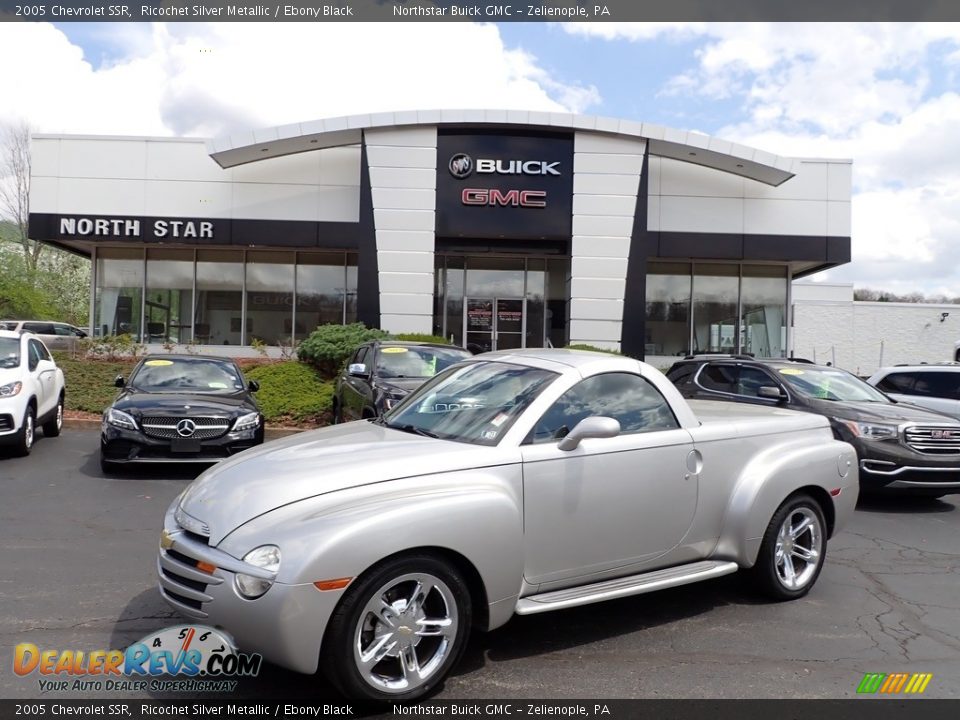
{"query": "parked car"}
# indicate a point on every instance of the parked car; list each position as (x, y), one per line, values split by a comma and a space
(520, 482)
(936, 387)
(55, 335)
(901, 448)
(32, 391)
(180, 408)
(382, 372)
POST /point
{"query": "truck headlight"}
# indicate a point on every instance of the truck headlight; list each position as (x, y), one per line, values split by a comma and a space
(11, 389)
(250, 421)
(871, 431)
(120, 419)
(266, 557)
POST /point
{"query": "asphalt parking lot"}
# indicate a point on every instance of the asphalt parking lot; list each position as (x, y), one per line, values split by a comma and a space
(77, 572)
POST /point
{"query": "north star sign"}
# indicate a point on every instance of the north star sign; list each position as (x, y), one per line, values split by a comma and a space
(127, 227)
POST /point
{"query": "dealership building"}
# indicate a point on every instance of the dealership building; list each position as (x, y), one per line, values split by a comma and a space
(497, 229)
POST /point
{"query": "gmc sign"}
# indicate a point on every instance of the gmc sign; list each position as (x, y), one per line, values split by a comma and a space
(507, 198)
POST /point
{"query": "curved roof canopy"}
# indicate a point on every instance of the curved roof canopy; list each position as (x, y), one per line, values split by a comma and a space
(690, 147)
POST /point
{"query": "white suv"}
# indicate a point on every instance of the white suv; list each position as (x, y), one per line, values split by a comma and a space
(935, 387)
(31, 391)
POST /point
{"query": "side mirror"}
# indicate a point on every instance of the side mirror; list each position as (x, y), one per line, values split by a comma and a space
(357, 370)
(119, 381)
(591, 427)
(253, 386)
(770, 392)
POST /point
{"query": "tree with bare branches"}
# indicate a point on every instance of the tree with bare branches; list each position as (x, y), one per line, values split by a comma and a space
(15, 188)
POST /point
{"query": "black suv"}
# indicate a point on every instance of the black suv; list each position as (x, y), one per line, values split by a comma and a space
(901, 447)
(383, 372)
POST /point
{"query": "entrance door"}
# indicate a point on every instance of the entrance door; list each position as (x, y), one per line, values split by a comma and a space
(494, 323)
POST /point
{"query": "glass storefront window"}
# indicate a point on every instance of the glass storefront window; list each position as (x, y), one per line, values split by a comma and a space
(536, 302)
(454, 286)
(326, 291)
(219, 308)
(169, 300)
(715, 291)
(668, 309)
(269, 297)
(763, 299)
(118, 301)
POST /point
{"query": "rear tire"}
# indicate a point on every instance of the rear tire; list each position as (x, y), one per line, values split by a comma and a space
(337, 413)
(28, 433)
(52, 428)
(792, 550)
(398, 630)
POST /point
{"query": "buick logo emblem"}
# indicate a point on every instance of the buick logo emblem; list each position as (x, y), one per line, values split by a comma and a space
(186, 428)
(461, 165)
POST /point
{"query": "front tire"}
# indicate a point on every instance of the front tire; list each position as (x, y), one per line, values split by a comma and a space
(28, 433)
(52, 428)
(793, 549)
(398, 630)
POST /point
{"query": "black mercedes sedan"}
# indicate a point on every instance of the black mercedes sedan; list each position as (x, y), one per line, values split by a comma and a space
(901, 448)
(180, 408)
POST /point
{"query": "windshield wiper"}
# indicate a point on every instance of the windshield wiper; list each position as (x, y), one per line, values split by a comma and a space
(413, 429)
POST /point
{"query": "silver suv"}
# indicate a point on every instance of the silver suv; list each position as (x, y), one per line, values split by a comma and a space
(935, 387)
(55, 335)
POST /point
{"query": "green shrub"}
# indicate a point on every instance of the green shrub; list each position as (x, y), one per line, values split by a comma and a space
(109, 347)
(592, 348)
(292, 391)
(90, 382)
(421, 337)
(328, 347)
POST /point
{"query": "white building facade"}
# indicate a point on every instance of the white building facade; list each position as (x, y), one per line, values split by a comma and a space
(496, 229)
(859, 336)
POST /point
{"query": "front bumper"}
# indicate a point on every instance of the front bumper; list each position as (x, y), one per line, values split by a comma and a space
(889, 475)
(285, 625)
(118, 445)
(12, 410)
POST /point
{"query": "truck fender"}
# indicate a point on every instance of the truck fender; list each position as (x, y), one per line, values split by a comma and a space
(770, 478)
(343, 534)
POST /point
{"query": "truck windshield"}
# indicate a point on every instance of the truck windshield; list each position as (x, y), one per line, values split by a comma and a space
(475, 403)
(829, 384)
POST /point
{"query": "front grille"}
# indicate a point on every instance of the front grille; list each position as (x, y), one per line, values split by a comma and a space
(6, 422)
(934, 439)
(165, 428)
(182, 581)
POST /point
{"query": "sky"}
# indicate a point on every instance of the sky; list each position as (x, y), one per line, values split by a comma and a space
(885, 95)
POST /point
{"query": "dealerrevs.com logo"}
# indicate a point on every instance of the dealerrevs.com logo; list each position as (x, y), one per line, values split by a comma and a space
(184, 651)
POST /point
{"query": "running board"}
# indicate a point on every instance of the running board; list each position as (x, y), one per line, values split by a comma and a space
(622, 587)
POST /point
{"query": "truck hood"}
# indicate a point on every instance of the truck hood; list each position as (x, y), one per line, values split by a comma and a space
(319, 462)
(880, 412)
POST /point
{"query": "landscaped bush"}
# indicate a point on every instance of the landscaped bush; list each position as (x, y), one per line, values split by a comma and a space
(292, 391)
(110, 347)
(592, 348)
(90, 382)
(421, 337)
(328, 347)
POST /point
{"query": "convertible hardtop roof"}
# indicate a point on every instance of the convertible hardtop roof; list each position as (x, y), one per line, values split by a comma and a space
(561, 356)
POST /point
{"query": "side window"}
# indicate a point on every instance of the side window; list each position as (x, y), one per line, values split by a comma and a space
(34, 355)
(721, 378)
(63, 330)
(682, 376)
(361, 355)
(750, 380)
(937, 384)
(628, 398)
(39, 328)
(898, 383)
(44, 353)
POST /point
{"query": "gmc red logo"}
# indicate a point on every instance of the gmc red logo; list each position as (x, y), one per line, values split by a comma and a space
(504, 198)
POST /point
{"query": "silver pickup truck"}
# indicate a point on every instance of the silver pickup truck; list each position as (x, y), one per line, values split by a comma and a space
(516, 482)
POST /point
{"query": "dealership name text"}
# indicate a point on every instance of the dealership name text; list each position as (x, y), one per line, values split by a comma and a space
(113, 227)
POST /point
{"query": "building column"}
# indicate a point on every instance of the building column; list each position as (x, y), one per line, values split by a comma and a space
(605, 183)
(403, 182)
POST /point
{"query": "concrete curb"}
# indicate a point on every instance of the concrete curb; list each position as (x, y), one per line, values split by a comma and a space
(272, 433)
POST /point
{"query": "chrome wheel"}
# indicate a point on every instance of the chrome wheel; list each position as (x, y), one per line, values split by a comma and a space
(60, 415)
(28, 431)
(405, 632)
(798, 548)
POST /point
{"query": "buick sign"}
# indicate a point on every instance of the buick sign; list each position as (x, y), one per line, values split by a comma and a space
(461, 165)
